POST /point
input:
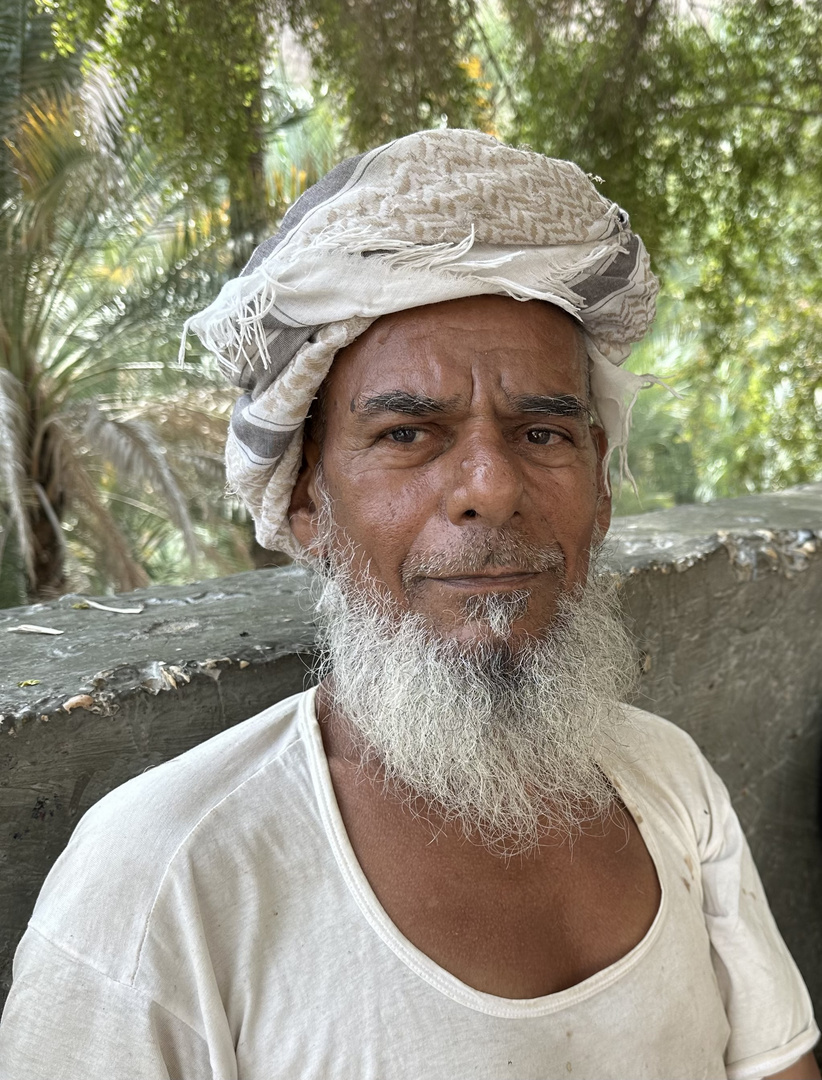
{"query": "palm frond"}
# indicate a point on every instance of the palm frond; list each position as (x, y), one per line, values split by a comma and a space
(103, 252)
(104, 104)
(114, 550)
(306, 147)
(13, 465)
(136, 452)
(29, 65)
(101, 263)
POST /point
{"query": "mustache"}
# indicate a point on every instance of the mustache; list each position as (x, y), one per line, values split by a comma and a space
(497, 549)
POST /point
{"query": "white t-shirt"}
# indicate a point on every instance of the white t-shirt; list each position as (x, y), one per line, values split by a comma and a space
(209, 921)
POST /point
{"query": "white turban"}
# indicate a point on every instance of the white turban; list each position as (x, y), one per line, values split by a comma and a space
(431, 217)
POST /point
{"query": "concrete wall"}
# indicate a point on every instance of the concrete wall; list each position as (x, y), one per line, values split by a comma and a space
(725, 600)
(732, 644)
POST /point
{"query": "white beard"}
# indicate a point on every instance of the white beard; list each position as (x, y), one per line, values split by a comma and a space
(503, 741)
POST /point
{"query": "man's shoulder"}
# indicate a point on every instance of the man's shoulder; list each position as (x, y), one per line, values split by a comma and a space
(647, 733)
(662, 766)
(103, 888)
(173, 798)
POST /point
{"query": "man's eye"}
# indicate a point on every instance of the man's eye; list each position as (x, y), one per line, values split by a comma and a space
(403, 434)
(544, 436)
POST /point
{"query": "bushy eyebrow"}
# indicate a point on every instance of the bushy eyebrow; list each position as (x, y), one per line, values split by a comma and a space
(400, 401)
(566, 405)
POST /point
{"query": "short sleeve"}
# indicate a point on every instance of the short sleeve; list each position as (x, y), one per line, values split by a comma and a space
(65, 1019)
(766, 1001)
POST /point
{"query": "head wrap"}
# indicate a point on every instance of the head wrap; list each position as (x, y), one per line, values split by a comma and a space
(431, 217)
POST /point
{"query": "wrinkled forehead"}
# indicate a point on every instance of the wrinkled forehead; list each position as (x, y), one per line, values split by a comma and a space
(449, 350)
(481, 326)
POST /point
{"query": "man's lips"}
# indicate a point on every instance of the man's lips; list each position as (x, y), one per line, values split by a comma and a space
(512, 563)
(489, 579)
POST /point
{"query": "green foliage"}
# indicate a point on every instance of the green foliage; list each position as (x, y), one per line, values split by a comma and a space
(29, 65)
(100, 267)
(189, 422)
(660, 452)
(195, 94)
(395, 67)
(201, 92)
(112, 472)
(708, 130)
(747, 421)
(300, 154)
(688, 122)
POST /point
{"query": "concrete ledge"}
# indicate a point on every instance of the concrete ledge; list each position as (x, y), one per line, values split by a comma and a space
(117, 693)
(725, 600)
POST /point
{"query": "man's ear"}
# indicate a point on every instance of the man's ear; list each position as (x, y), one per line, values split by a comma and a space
(603, 512)
(302, 510)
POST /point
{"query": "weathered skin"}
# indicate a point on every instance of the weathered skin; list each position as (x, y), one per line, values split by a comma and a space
(404, 485)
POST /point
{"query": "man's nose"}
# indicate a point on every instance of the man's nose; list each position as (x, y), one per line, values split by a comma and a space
(486, 485)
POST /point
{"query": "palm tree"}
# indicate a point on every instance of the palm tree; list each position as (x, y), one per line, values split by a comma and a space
(100, 264)
(111, 467)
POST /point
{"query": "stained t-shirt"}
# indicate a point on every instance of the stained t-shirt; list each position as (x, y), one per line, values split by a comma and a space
(209, 921)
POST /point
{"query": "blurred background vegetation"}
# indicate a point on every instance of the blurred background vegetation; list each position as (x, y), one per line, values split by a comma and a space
(146, 147)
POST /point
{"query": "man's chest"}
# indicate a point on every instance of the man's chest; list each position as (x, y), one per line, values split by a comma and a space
(331, 986)
(521, 927)
(317, 976)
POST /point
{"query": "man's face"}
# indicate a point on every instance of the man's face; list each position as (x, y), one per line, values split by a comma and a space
(460, 461)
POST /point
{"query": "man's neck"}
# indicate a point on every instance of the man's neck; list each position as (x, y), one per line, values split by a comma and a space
(519, 927)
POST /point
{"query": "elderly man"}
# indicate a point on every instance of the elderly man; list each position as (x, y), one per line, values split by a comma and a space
(460, 856)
